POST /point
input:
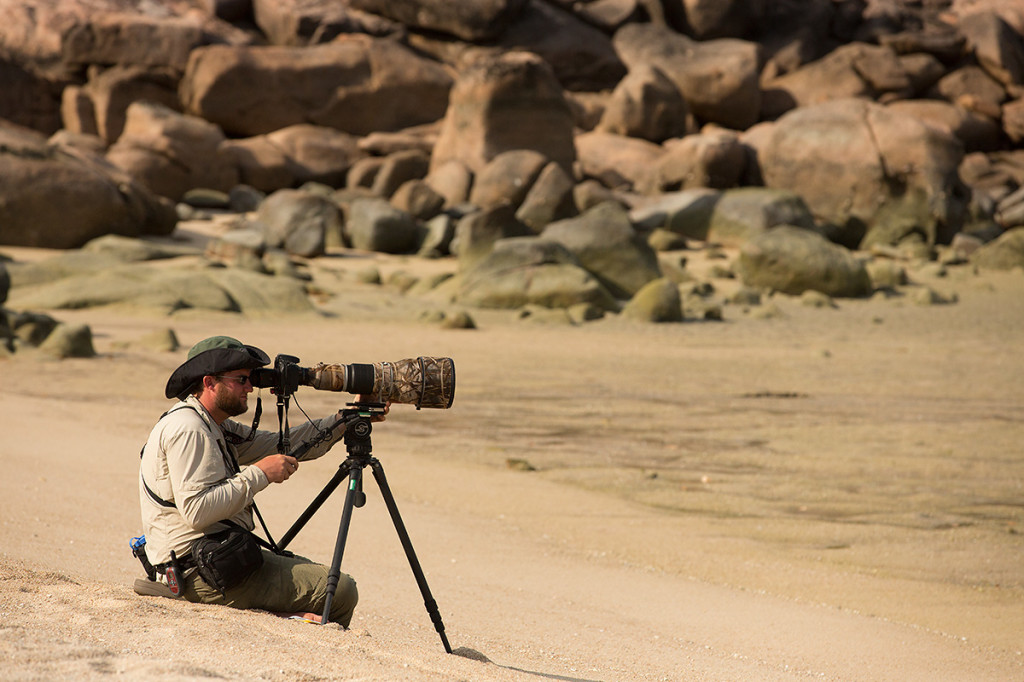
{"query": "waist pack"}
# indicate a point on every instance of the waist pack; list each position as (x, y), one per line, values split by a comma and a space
(226, 558)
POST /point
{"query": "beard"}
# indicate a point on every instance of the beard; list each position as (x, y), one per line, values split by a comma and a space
(230, 403)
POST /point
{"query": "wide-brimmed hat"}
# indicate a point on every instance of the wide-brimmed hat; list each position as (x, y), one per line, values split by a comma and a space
(214, 355)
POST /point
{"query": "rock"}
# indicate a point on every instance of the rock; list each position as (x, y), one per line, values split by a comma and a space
(975, 131)
(581, 56)
(605, 243)
(477, 233)
(550, 198)
(356, 84)
(33, 329)
(163, 340)
(657, 301)
(299, 222)
(510, 102)
(171, 153)
(242, 247)
(94, 198)
(473, 21)
(416, 198)
(452, 180)
(873, 173)
(742, 213)
(373, 224)
(687, 212)
(458, 320)
(998, 48)
(126, 39)
(886, 274)
(69, 341)
(647, 105)
(616, 161)
(437, 236)
(1005, 253)
(714, 159)
(853, 70)
(718, 79)
(531, 271)
(107, 96)
(792, 260)
(507, 178)
(314, 153)
(305, 22)
(397, 169)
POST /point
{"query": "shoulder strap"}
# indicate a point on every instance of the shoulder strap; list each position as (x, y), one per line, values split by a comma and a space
(232, 465)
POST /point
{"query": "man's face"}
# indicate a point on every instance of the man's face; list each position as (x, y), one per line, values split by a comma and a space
(230, 396)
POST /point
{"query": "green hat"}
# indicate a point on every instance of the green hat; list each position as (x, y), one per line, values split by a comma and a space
(214, 355)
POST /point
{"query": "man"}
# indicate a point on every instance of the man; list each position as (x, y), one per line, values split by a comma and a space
(200, 471)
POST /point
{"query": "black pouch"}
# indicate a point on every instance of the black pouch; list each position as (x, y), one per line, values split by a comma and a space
(226, 558)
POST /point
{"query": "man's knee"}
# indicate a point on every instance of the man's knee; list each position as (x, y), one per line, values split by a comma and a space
(346, 596)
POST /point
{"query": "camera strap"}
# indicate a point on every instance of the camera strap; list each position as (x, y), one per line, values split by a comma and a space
(234, 468)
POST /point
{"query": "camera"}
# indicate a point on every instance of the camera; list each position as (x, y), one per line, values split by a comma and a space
(423, 381)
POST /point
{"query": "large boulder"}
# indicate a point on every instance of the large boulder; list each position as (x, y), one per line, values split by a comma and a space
(1004, 253)
(645, 104)
(478, 232)
(717, 78)
(657, 301)
(998, 48)
(472, 21)
(877, 175)
(853, 70)
(714, 158)
(171, 153)
(605, 243)
(743, 213)
(507, 178)
(793, 260)
(373, 224)
(581, 55)
(357, 84)
(308, 22)
(499, 104)
(293, 156)
(299, 222)
(169, 290)
(549, 198)
(100, 106)
(531, 271)
(60, 198)
(132, 39)
(617, 161)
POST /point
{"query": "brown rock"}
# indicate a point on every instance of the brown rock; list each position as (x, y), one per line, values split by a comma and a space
(356, 84)
(509, 102)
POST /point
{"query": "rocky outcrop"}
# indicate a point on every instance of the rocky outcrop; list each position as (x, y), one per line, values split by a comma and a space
(63, 197)
(454, 128)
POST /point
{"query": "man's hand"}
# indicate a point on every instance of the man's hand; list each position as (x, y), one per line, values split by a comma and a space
(278, 468)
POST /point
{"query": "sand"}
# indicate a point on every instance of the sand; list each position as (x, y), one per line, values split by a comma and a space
(819, 493)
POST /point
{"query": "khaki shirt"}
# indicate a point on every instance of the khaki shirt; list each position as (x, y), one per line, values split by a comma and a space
(183, 462)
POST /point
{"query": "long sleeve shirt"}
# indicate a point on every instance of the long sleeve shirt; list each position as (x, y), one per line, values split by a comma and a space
(185, 463)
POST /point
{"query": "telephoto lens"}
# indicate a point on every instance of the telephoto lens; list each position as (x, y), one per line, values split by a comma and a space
(424, 381)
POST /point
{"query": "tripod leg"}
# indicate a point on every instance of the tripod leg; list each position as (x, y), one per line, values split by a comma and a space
(354, 490)
(340, 475)
(403, 535)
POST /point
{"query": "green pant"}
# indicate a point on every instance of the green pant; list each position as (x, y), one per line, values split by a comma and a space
(282, 585)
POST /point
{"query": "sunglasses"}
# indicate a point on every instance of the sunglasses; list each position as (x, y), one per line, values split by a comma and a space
(241, 379)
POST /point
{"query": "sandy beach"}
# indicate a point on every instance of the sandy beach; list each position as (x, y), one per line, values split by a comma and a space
(813, 493)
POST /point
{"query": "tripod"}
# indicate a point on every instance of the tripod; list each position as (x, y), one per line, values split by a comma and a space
(356, 419)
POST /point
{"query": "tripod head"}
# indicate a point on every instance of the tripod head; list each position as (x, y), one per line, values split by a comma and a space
(357, 418)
